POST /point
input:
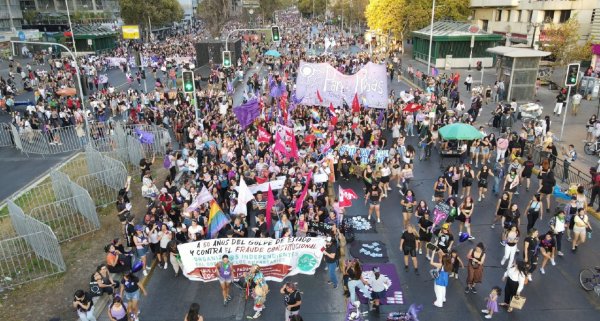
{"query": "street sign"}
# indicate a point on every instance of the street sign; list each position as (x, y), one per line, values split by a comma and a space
(572, 75)
(131, 32)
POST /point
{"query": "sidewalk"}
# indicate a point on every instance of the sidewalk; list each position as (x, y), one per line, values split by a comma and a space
(574, 129)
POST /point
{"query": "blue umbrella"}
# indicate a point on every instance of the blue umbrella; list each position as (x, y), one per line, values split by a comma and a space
(273, 53)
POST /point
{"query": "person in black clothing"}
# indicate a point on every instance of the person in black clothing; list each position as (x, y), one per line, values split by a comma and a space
(84, 305)
(408, 245)
(511, 217)
(531, 251)
(527, 171)
(292, 299)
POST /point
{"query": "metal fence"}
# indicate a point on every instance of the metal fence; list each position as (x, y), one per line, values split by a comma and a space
(51, 141)
(5, 135)
(32, 254)
(100, 175)
(161, 137)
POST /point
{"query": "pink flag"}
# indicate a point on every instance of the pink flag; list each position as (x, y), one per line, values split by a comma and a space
(300, 200)
(279, 146)
(294, 146)
(328, 145)
(346, 195)
(263, 135)
(270, 204)
(319, 97)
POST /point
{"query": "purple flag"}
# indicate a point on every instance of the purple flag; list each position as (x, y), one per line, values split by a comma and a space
(295, 102)
(380, 117)
(247, 113)
(229, 88)
(144, 136)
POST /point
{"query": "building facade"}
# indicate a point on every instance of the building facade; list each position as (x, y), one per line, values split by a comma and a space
(523, 21)
(11, 16)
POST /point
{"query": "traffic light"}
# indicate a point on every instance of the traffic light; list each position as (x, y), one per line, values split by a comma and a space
(572, 75)
(188, 81)
(275, 34)
(227, 59)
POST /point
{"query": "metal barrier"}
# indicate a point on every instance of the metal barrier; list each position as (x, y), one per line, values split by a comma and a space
(53, 141)
(32, 254)
(100, 175)
(16, 137)
(161, 137)
(135, 151)
(5, 135)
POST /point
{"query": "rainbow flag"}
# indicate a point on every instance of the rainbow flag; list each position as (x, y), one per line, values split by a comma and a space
(216, 219)
(315, 115)
(318, 132)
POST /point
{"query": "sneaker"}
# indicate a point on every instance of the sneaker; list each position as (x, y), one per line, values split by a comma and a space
(229, 298)
(420, 251)
(488, 316)
(225, 302)
(456, 276)
(529, 277)
(166, 266)
(467, 290)
(493, 225)
(479, 199)
(329, 282)
(145, 273)
(560, 253)
(148, 268)
(471, 237)
(542, 271)
(552, 261)
(327, 268)
(369, 218)
(485, 311)
(569, 239)
(473, 290)
(378, 221)
(335, 286)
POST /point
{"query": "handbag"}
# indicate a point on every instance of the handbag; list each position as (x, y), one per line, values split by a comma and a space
(517, 302)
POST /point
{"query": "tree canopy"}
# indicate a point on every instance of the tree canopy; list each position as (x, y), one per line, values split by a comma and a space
(306, 7)
(562, 41)
(159, 12)
(402, 16)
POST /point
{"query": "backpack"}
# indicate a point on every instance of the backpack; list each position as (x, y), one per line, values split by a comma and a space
(94, 287)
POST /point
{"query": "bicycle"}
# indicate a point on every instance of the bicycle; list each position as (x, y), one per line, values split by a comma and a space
(592, 148)
(590, 280)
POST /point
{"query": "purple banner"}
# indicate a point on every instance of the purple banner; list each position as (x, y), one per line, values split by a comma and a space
(370, 83)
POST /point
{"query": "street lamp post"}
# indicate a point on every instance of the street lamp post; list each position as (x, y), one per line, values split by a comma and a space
(430, 39)
(87, 126)
(535, 25)
(71, 27)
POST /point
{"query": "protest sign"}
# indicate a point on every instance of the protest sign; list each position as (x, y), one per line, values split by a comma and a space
(277, 258)
(440, 213)
(275, 185)
(379, 154)
(369, 84)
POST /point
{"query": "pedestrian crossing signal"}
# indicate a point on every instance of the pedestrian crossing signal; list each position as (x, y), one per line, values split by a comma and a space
(572, 75)
(227, 59)
(275, 33)
(188, 81)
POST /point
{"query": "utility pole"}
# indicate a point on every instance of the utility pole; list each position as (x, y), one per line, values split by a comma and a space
(430, 39)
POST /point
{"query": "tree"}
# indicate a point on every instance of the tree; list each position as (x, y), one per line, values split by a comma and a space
(353, 11)
(146, 13)
(562, 39)
(402, 16)
(306, 7)
(215, 13)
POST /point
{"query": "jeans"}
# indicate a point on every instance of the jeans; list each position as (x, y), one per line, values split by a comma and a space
(566, 166)
(410, 129)
(331, 269)
(558, 236)
(496, 188)
(352, 285)
(532, 217)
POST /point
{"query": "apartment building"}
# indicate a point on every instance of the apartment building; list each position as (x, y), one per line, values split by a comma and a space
(523, 21)
(11, 16)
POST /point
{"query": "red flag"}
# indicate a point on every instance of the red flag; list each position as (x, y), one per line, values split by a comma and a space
(319, 97)
(346, 195)
(270, 204)
(283, 105)
(300, 199)
(355, 104)
(328, 145)
(332, 116)
(263, 135)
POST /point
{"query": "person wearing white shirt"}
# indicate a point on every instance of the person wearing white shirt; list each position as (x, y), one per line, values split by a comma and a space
(469, 82)
(576, 103)
(515, 281)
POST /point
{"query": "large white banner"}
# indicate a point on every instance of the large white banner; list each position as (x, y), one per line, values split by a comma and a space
(369, 84)
(277, 258)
